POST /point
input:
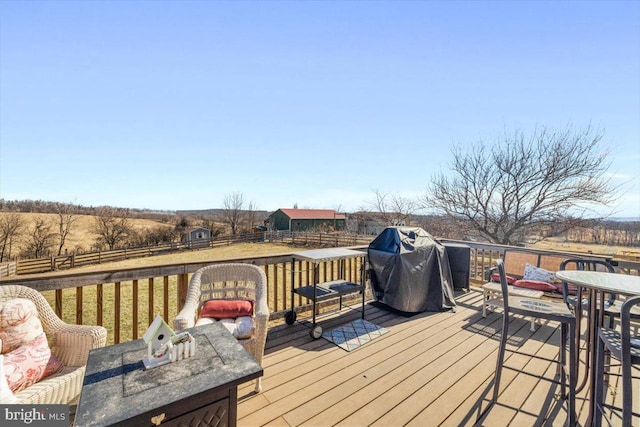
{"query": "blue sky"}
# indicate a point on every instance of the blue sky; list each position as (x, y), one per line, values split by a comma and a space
(173, 105)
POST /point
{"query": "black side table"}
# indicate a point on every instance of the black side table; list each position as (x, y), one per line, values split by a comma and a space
(117, 390)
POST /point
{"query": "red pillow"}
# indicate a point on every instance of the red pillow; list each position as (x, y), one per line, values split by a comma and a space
(495, 277)
(226, 309)
(536, 285)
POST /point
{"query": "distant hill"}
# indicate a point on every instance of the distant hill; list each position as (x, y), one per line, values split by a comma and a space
(216, 213)
(625, 219)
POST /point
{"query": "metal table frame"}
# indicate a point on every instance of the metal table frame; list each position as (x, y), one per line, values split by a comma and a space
(597, 284)
(326, 290)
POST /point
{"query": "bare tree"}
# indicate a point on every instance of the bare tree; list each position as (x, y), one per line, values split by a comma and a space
(393, 208)
(112, 227)
(232, 210)
(542, 184)
(11, 226)
(250, 216)
(66, 218)
(214, 227)
(41, 239)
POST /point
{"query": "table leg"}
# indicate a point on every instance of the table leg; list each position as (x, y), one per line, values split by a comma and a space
(596, 319)
(315, 289)
(293, 284)
(573, 376)
(363, 281)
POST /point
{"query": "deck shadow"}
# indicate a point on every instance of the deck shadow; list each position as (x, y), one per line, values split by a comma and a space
(553, 405)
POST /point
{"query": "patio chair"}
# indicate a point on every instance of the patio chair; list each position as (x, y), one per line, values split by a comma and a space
(624, 347)
(555, 311)
(229, 282)
(69, 343)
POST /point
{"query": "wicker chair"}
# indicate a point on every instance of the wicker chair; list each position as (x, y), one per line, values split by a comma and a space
(69, 343)
(230, 281)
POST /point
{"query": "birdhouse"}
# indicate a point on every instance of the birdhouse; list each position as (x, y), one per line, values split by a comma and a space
(164, 345)
(158, 339)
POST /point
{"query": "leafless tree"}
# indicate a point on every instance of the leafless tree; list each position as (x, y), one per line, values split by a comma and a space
(66, 218)
(11, 226)
(112, 227)
(519, 185)
(212, 225)
(393, 208)
(232, 210)
(183, 222)
(41, 239)
(250, 216)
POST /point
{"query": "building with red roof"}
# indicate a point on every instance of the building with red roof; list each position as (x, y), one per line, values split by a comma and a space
(306, 219)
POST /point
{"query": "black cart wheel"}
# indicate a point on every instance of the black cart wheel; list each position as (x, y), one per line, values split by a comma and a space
(290, 317)
(316, 332)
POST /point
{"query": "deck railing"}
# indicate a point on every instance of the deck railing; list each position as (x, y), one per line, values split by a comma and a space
(126, 300)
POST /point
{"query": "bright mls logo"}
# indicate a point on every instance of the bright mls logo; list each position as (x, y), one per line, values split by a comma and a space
(34, 415)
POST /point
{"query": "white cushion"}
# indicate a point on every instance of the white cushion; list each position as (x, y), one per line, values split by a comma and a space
(531, 272)
(241, 328)
(205, 321)
(6, 395)
(19, 323)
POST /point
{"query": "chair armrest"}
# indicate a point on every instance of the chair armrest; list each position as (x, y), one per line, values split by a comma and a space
(73, 342)
(186, 318)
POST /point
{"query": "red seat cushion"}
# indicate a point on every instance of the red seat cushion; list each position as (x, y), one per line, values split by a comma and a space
(536, 285)
(226, 309)
(573, 289)
(495, 277)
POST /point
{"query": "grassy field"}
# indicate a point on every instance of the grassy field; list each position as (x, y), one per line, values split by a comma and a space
(81, 237)
(626, 252)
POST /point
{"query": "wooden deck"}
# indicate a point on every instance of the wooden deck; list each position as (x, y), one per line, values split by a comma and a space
(430, 369)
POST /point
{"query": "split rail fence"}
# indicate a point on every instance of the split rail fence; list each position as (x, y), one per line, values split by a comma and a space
(63, 262)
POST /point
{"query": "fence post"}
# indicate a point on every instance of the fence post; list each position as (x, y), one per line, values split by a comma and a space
(53, 263)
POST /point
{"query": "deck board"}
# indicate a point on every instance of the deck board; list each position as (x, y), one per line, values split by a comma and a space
(429, 369)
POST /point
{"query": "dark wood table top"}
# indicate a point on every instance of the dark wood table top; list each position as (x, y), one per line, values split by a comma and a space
(117, 387)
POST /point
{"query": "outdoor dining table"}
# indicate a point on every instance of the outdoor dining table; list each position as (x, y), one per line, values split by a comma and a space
(597, 284)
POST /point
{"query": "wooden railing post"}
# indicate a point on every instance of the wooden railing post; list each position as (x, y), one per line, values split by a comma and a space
(79, 306)
(116, 313)
(150, 315)
(134, 303)
(59, 303)
(275, 285)
(183, 286)
(99, 304)
(165, 283)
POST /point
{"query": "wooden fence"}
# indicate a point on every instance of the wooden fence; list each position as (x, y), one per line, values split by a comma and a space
(8, 269)
(127, 300)
(63, 262)
(317, 240)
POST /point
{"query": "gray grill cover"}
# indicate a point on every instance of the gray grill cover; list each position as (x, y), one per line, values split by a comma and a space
(410, 271)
